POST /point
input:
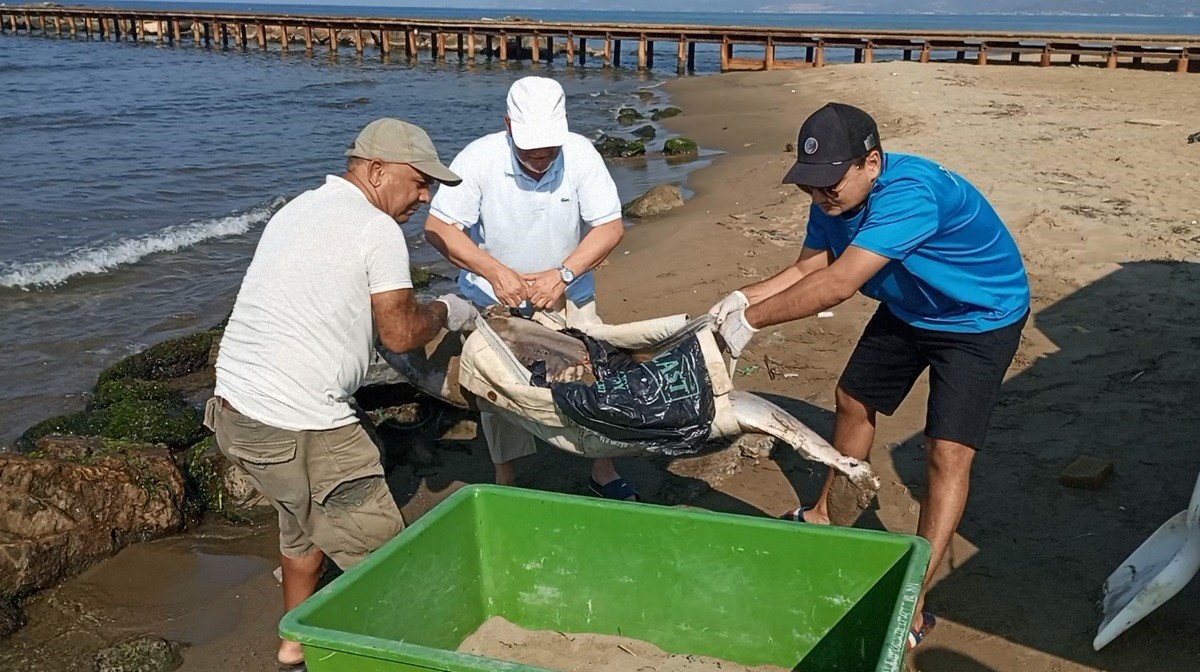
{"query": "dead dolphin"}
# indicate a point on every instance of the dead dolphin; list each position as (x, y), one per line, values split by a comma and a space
(434, 371)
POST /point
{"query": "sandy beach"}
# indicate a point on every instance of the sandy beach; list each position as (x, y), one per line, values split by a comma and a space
(1107, 213)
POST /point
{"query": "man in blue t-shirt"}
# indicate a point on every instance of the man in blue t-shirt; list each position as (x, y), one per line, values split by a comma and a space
(953, 298)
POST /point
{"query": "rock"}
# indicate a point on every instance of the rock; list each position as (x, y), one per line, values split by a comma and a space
(755, 446)
(789, 148)
(666, 113)
(658, 200)
(173, 358)
(627, 116)
(646, 132)
(1194, 138)
(423, 277)
(645, 95)
(616, 148)
(1086, 473)
(463, 430)
(75, 424)
(80, 500)
(680, 147)
(218, 486)
(143, 654)
(11, 617)
(847, 501)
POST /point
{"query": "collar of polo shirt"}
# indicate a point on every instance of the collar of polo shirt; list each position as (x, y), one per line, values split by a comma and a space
(515, 169)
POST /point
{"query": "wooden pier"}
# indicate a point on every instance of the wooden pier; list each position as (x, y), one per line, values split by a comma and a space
(577, 42)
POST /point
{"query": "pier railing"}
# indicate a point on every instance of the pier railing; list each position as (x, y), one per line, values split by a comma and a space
(536, 41)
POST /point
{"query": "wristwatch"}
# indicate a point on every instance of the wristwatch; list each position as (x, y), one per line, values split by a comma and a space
(567, 275)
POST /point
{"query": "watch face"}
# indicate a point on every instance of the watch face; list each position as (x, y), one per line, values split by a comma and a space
(568, 276)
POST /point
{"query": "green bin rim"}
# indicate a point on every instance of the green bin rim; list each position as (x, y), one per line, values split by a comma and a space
(291, 627)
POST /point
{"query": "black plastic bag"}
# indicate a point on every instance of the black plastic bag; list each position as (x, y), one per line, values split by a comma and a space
(664, 405)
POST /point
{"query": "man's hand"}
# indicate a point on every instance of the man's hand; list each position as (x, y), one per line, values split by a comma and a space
(732, 303)
(545, 289)
(511, 289)
(737, 332)
(460, 315)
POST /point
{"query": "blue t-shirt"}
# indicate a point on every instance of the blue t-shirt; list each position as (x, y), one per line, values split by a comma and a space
(955, 267)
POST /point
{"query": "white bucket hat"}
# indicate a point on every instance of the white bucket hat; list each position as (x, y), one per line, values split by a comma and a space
(537, 113)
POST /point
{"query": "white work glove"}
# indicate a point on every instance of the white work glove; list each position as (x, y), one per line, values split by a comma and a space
(734, 302)
(737, 332)
(460, 315)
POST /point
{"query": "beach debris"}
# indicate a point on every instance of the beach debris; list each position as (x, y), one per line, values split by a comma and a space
(657, 200)
(665, 113)
(789, 148)
(1152, 122)
(680, 147)
(141, 654)
(617, 148)
(1193, 138)
(748, 370)
(825, 313)
(1086, 473)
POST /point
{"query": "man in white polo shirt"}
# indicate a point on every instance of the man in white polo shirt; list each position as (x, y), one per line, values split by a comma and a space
(330, 272)
(535, 213)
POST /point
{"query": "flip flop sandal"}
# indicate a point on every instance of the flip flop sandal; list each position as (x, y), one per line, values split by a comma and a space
(796, 515)
(915, 637)
(619, 489)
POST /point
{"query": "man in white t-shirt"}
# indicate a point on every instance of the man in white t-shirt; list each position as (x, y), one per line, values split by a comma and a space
(536, 211)
(330, 273)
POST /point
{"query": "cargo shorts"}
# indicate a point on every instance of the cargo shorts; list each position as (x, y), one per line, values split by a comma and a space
(327, 485)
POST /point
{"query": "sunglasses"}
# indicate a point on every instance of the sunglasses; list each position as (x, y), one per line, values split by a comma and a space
(828, 192)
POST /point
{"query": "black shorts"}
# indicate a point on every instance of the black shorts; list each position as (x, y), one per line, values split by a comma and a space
(965, 373)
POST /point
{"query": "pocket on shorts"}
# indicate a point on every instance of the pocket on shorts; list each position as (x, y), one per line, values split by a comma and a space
(363, 515)
(263, 453)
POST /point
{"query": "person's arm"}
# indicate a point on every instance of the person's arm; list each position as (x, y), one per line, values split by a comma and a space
(810, 261)
(546, 288)
(404, 323)
(819, 290)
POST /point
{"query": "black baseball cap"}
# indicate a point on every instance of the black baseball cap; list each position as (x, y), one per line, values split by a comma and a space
(831, 139)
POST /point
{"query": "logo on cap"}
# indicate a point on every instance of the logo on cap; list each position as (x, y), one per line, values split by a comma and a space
(810, 146)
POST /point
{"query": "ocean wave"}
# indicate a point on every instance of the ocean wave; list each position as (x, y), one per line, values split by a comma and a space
(93, 260)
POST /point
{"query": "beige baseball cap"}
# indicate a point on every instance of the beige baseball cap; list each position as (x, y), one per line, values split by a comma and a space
(397, 141)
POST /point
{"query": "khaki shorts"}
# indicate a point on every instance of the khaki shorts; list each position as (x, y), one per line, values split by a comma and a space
(506, 439)
(327, 485)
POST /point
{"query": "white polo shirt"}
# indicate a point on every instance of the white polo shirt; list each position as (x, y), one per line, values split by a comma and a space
(300, 338)
(528, 225)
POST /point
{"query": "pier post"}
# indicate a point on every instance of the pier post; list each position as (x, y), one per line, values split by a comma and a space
(570, 49)
(908, 54)
(176, 36)
(642, 53)
(28, 25)
(691, 57)
(333, 41)
(308, 40)
(1181, 65)
(1045, 57)
(982, 58)
(960, 56)
(489, 47)
(74, 26)
(926, 52)
(1137, 60)
(239, 36)
(650, 54)
(385, 43)
(1112, 61)
(285, 40)
(583, 53)
(769, 56)
(57, 27)
(616, 53)
(197, 34)
(439, 40)
(1074, 59)
(608, 51)
(869, 53)
(1015, 57)
(471, 46)
(224, 35)
(462, 47)
(262, 37)
(87, 27)
(503, 47)
(550, 48)
(819, 61)
(858, 55)
(535, 44)
(724, 54)
(358, 41)
(681, 56)
(410, 44)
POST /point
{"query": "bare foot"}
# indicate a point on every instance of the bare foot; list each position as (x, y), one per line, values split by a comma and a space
(290, 653)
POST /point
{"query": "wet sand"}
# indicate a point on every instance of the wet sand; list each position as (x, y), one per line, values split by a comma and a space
(1106, 213)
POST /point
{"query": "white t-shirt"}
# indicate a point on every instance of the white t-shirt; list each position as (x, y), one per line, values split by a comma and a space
(300, 338)
(528, 225)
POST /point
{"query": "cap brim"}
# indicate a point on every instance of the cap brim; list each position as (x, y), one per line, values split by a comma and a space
(539, 136)
(817, 174)
(438, 172)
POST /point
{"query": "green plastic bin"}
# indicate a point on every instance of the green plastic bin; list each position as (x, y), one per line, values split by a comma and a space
(749, 590)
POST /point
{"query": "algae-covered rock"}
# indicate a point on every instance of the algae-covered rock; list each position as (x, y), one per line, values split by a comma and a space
(143, 654)
(173, 358)
(665, 113)
(680, 147)
(75, 424)
(656, 201)
(646, 132)
(627, 116)
(216, 485)
(617, 148)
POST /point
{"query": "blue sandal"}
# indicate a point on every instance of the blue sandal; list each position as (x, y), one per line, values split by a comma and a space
(916, 636)
(619, 489)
